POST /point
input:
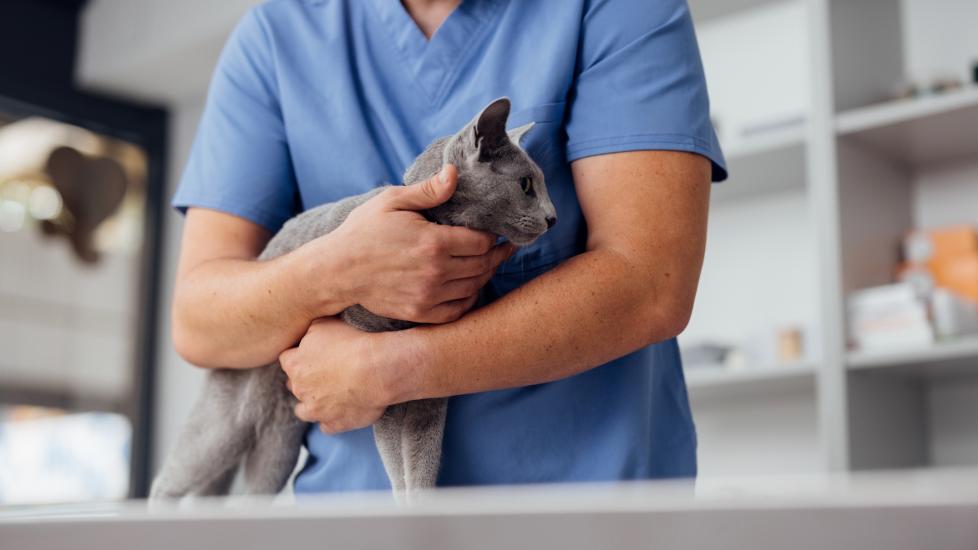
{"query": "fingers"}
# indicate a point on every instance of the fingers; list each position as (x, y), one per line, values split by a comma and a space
(462, 241)
(473, 266)
(460, 289)
(427, 194)
(449, 311)
(304, 413)
(463, 288)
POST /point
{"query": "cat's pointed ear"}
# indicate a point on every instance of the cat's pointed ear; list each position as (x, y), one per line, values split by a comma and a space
(516, 134)
(489, 130)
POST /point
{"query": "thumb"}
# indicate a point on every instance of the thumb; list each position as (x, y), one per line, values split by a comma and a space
(427, 194)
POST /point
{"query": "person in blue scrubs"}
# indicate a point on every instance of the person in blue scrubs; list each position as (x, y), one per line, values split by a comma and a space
(574, 377)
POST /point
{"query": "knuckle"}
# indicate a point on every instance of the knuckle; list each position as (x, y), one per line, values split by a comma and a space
(487, 242)
(436, 272)
(391, 193)
(445, 316)
(414, 312)
(428, 188)
(435, 245)
(455, 313)
(425, 296)
(429, 247)
(285, 361)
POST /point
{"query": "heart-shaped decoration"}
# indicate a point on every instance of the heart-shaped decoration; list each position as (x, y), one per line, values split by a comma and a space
(92, 190)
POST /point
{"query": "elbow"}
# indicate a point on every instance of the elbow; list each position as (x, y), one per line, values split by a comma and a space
(670, 319)
(187, 347)
(676, 321)
(188, 344)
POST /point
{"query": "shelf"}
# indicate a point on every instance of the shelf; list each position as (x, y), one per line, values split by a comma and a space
(766, 163)
(955, 358)
(720, 382)
(705, 10)
(921, 131)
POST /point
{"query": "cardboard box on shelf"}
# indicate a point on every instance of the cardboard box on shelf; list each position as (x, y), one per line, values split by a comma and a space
(948, 255)
(890, 317)
(924, 246)
(958, 274)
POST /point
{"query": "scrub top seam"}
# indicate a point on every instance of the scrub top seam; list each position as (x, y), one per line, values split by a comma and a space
(662, 137)
(485, 24)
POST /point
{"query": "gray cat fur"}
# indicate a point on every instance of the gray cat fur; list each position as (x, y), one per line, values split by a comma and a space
(246, 416)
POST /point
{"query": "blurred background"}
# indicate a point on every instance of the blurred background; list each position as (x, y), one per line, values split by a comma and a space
(836, 325)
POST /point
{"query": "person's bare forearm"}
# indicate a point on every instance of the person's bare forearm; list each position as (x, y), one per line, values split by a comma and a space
(250, 310)
(590, 310)
(230, 310)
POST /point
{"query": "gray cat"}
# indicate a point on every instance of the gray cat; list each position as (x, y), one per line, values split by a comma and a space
(247, 415)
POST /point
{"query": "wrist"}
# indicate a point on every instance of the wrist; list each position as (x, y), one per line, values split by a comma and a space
(407, 364)
(317, 274)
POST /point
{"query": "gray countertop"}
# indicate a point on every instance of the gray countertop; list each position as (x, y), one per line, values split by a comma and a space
(899, 510)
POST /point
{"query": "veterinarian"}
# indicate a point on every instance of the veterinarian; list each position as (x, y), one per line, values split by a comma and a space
(572, 373)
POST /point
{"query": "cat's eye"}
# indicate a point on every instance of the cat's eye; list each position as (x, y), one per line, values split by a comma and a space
(526, 184)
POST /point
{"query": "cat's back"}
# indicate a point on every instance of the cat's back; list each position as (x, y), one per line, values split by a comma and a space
(313, 223)
(428, 163)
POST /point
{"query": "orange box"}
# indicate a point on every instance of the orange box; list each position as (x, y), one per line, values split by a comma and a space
(958, 274)
(931, 245)
(951, 241)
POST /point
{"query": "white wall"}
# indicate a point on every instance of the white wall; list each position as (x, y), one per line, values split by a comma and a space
(177, 383)
(941, 40)
(151, 50)
(757, 66)
(759, 271)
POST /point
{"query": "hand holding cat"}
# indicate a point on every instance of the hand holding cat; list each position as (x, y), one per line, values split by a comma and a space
(341, 376)
(397, 264)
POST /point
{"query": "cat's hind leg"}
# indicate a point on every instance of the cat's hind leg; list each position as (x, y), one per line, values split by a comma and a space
(211, 443)
(278, 443)
(387, 436)
(421, 443)
(220, 485)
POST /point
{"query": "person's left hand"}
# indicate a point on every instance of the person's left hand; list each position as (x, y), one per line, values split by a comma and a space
(338, 375)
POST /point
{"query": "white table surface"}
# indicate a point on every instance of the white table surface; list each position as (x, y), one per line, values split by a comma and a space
(894, 511)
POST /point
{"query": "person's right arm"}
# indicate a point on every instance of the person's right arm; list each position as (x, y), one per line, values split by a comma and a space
(232, 311)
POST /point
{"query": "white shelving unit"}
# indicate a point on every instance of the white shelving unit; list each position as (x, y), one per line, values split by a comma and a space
(944, 359)
(928, 130)
(816, 210)
(767, 163)
(709, 383)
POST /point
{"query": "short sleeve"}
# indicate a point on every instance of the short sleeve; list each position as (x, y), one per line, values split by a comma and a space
(640, 83)
(240, 162)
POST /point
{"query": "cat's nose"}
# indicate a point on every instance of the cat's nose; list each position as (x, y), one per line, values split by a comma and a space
(551, 221)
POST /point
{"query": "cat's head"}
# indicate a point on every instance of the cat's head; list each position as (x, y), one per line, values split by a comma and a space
(500, 189)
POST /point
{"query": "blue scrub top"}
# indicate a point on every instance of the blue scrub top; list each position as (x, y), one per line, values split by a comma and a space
(313, 101)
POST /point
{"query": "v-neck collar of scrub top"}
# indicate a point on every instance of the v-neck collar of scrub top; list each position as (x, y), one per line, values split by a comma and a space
(434, 63)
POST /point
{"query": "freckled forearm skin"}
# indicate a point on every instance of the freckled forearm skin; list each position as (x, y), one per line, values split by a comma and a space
(241, 313)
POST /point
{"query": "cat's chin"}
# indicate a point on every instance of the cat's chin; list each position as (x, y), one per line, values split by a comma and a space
(522, 240)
